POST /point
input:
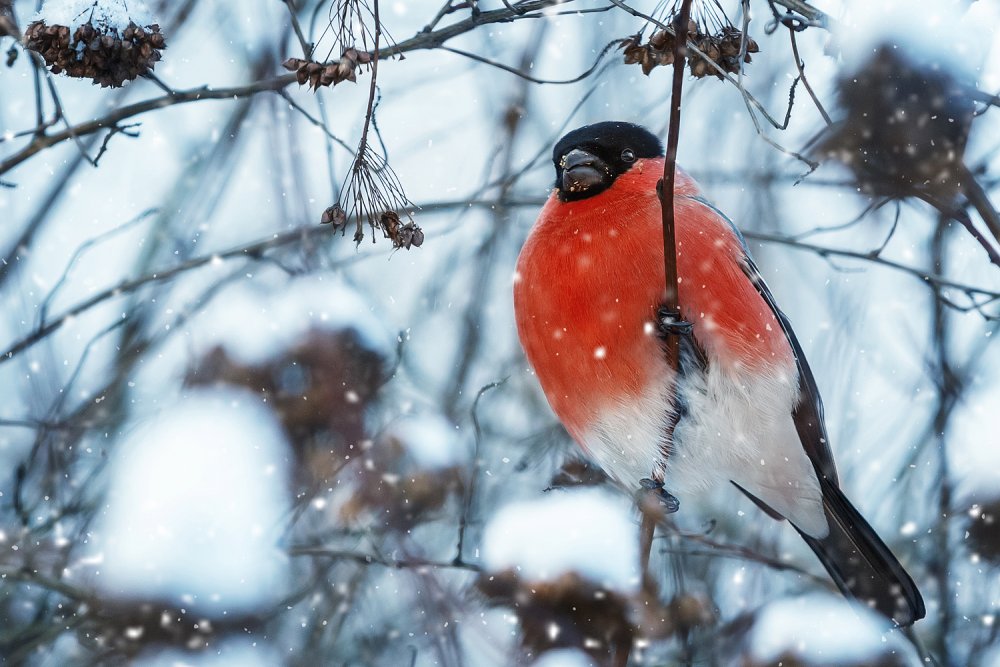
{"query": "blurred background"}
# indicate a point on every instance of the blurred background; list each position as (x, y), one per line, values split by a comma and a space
(230, 435)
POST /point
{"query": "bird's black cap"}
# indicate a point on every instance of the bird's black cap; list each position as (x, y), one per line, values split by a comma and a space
(590, 158)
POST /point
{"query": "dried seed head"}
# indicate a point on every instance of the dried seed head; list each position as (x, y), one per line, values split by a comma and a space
(632, 50)
(409, 235)
(904, 126)
(318, 74)
(98, 49)
(372, 193)
(661, 40)
(334, 215)
(721, 45)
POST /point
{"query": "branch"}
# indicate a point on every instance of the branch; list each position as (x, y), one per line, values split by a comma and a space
(527, 77)
(934, 280)
(251, 250)
(816, 17)
(430, 40)
(373, 559)
(41, 142)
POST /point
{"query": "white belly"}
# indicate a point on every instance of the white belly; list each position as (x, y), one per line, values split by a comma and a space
(737, 427)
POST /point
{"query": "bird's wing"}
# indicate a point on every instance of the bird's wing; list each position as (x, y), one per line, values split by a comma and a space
(808, 412)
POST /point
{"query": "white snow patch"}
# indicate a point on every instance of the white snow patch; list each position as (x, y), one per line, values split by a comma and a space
(105, 15)
(823, 629)
(430, 439)
(587, 531)
(974, 460)
(565, 657)
(196, 500)
(254, 324)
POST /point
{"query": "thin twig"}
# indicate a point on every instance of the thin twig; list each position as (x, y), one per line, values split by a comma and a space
(800, 66)
(527, 77)
(303, 42)
(471, 488)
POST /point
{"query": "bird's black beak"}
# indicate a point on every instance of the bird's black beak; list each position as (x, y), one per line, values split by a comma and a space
(582, 172)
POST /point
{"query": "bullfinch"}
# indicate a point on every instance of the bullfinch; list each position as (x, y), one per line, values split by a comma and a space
(589, 292)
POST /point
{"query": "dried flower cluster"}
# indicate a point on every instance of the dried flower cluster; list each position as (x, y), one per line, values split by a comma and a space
(403, 235)
(571, 611)
(330, 74)
(566, 612)
(723, 48)
(395, 490)
(373, 194)
(320, 388)
(903, 126)
(98, 51)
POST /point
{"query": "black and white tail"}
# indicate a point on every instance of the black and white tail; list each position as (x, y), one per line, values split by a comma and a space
(861, 564)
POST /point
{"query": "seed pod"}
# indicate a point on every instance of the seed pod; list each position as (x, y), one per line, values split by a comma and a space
(662, 40)
(100, 49)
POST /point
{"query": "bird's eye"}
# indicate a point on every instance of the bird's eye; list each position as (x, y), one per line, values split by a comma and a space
(628, 155)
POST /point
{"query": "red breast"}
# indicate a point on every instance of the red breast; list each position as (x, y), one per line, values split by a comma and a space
(590, 278)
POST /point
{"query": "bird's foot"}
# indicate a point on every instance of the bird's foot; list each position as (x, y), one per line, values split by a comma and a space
(671, 324)
(667, 500)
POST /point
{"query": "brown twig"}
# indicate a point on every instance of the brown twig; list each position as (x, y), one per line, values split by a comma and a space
(800, 66)
(671, 304)
(666, 186)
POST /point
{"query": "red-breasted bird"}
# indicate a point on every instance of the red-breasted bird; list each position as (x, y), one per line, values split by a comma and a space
(588, 297)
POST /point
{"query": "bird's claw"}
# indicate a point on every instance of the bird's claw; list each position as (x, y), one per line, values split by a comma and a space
(667, 500)
(671, 323)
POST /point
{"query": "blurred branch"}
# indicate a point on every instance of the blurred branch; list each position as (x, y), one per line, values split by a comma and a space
(80, 251)
(950, 388)
(55, 585)
(248, 251)
(934, 280)
(372, 559)
(962, 217)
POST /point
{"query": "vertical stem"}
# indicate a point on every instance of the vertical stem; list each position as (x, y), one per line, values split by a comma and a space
(666, 187)
(665, 191)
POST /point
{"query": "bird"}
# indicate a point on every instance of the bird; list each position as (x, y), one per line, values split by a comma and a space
(589, 294)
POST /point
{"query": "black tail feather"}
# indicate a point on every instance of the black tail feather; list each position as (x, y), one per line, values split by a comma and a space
(861, 564)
